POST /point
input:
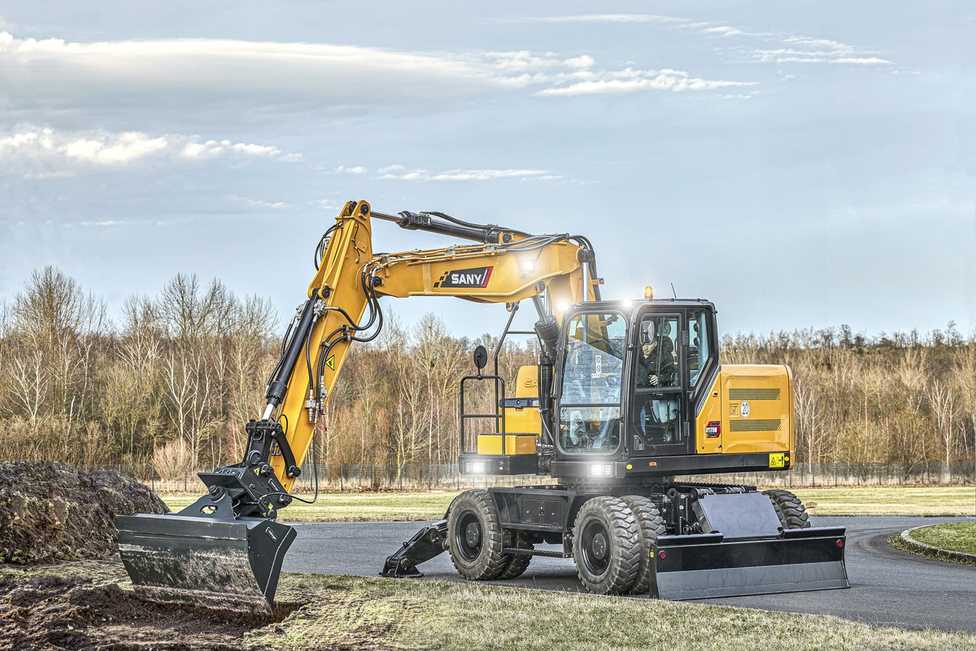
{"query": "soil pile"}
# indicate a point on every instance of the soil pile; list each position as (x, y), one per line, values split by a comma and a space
(81, 606)
(52, 512)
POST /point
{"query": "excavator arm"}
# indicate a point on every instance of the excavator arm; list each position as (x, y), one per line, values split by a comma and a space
(507, 266)
(228, 542)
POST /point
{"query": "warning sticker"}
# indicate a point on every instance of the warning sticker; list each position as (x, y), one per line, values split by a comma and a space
(330, 362)
(777, 459)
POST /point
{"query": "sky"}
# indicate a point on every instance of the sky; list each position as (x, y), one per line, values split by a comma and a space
(801, 164)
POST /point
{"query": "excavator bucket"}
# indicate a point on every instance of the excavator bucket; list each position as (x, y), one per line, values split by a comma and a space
(747, 553)
(215, 560)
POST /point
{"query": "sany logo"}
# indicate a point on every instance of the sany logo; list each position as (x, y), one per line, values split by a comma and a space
(472, 279)
(465, 278)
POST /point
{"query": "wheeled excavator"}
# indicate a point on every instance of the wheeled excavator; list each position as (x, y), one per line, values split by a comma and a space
(625, 398)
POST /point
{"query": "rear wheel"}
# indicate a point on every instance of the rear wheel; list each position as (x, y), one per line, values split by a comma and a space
(517, 566)
(651, 526)
(607, 546)
(475, 539)
(792, 514)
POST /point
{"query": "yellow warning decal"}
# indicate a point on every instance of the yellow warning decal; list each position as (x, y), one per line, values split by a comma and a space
(777, 459)
(330, 362)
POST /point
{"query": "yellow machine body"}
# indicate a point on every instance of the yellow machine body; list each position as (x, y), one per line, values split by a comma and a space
(754, 406)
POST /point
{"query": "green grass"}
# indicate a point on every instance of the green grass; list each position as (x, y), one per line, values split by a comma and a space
(347, 507)
(893, 500)
(347, 612)
(890, 500)
(956, 536)
(335, 612)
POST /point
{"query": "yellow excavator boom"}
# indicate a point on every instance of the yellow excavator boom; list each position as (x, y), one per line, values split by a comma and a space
(351, 277)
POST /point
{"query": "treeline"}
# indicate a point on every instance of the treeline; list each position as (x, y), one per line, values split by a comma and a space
(167, 388)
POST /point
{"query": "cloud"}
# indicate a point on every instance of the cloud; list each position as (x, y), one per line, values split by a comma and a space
(831, 55)
(520, 61)
(96, 149)
(259, 203)
(553, 75)
(47, 152)
(818, 43)
(45, 80)
(610, 18)
(631, 80)
(401, 173)
(214, 148)
(55, 74)
(722, 30)
(351, 169)
(789, 48)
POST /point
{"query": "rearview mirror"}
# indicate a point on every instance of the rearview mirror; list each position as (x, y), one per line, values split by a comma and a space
(480, 357)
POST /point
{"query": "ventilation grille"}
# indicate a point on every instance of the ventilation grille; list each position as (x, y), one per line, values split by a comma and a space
(753, 394)
(745, 425)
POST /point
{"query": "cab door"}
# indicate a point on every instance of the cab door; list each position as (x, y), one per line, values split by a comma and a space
(657, 410)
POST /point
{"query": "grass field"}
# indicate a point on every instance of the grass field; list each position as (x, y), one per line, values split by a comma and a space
(82, 603)
(957, 536)
(890, 500)
(895, 500)
(346, 507)
(378, 613)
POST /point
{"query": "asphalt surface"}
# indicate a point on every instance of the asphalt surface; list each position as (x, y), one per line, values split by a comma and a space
(888, 586)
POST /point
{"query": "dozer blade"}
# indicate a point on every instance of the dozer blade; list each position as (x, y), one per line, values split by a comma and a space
(225, 563)
(703, 566)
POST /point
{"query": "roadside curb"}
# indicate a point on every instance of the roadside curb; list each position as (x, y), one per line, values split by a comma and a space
(929, 550)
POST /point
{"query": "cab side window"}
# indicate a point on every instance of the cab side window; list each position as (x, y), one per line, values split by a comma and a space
(657, 361)
(698, 351)
(656, 404)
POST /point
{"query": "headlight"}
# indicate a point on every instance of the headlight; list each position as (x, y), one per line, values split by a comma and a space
(600, 470)
(476, 467)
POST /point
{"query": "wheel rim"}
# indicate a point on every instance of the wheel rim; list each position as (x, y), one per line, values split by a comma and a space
(468, 536)
(595, 546)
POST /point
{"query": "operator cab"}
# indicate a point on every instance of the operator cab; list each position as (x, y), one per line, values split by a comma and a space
(620, 391)
(630, 379)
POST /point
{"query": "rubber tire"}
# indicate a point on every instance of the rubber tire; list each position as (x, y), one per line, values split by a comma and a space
(792, 514)
(517, 566)
(490, 561)
(624, 545)
(651, 526)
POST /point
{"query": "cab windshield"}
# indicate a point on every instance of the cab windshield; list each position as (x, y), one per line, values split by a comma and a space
(589, 418)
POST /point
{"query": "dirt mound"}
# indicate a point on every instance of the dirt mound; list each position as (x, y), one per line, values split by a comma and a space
(51, 512)
(84, 608)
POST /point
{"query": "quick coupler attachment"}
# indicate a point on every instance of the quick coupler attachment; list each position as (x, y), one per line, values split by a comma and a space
(702, 566)
(423, 546)
(214, 559)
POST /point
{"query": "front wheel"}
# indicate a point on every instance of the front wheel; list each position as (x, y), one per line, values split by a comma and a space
(651, 526)
(475, 539)
(607, 546)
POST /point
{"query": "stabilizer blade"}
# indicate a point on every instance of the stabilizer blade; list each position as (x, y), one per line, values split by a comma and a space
(707, 565)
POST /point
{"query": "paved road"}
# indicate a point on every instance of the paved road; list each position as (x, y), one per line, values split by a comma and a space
(887, 586)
